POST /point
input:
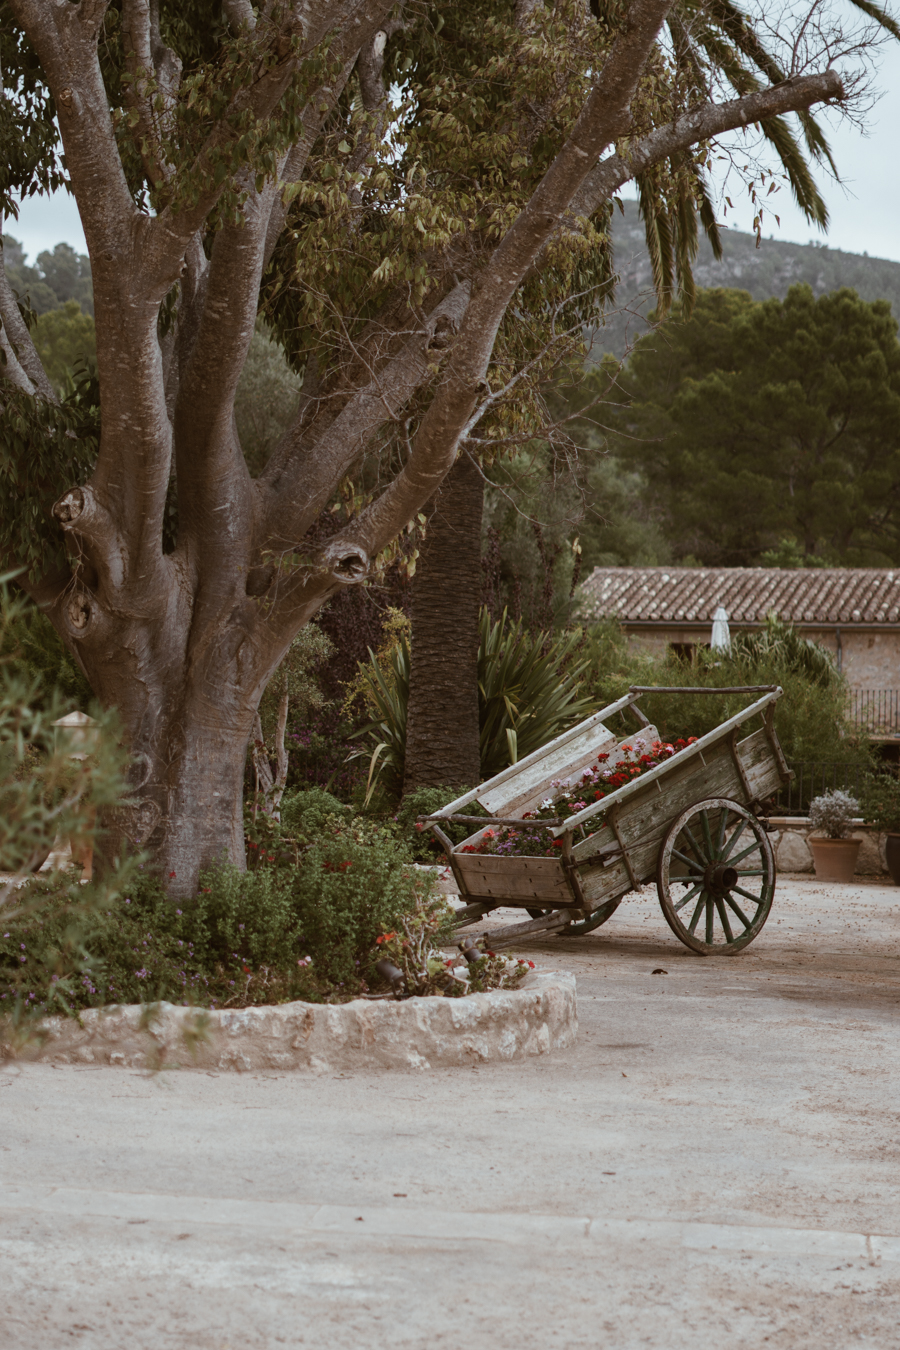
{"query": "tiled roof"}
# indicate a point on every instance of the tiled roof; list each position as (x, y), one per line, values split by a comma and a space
(691, 595)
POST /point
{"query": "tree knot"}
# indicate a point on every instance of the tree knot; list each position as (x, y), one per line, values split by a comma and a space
(69, 507)
(347, 563)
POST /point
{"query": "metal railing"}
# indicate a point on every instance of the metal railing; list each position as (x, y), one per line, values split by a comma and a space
(811, 779)
(875, 711)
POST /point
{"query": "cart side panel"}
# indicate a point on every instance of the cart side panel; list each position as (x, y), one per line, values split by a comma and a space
(517, 880)
(645, 817)
(532, 785)
(527, 792)
(530, 797)
(762, 771)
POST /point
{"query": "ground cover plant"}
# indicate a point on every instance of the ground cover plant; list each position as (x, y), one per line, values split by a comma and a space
(328, 895)
(278, 931)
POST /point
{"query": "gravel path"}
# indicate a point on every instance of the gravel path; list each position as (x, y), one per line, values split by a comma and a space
(715, 1165)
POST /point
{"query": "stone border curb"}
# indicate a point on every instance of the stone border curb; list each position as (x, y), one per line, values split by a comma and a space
(417, 1033)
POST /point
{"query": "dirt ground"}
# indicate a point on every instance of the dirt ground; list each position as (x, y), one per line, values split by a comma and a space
(715, 1165)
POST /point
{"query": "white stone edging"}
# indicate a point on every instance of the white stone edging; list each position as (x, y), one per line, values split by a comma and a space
(419, 1033)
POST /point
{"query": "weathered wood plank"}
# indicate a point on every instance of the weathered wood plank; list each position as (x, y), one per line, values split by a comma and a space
(535, 789)
(699, 751)
(644, 820)
(472, 863)
(648, 733)
(531, 786)
(548, 923)
(516, 889)
(590, 724)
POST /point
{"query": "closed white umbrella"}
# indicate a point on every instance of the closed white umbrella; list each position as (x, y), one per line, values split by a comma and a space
(721, 638)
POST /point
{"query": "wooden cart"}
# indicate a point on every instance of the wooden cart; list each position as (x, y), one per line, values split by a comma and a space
(691, 823)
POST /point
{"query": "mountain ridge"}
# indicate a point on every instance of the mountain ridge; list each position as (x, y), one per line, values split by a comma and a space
(766, 271)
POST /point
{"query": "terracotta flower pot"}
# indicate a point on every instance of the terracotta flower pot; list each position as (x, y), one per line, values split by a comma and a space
(892, 857)
(835, 859)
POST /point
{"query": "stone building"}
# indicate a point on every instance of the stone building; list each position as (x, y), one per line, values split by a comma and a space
(853, 612)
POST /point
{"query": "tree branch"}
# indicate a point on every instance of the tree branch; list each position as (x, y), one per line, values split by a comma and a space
(18, 345)
(65, 39)
(429, 460)
(239, 14)
(175, 225)
(604, 116)
(148, 59)
(303, 487)
(701, 124)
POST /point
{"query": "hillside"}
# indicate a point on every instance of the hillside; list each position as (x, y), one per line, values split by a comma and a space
(765, 271)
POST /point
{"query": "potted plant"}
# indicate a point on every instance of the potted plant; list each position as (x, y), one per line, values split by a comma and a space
(835, 855)
(881, 808)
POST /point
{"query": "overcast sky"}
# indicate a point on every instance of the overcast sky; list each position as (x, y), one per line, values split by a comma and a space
(864, 209)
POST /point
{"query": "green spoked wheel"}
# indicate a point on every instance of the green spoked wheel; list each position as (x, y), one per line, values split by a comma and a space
(587, 925)
(716, 876)
(592, 921)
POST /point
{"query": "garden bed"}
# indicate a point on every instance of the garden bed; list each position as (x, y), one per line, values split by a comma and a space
(415, 1033)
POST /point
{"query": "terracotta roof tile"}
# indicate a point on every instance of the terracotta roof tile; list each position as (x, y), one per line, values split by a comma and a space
(806, 595)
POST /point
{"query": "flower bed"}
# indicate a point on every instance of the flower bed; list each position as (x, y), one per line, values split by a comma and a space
(595, 781)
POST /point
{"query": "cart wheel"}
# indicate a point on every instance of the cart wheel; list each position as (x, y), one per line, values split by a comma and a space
(583, 926)
(716, 876)
(599, 916)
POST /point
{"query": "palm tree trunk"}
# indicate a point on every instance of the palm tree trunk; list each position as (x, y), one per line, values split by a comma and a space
(442, 731)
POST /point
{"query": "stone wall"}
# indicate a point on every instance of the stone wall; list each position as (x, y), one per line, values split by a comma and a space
(417, 1033)
(792, 854)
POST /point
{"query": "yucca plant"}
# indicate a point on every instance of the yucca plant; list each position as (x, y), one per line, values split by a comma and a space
(779, 645)
(386, 690)
(528, 692)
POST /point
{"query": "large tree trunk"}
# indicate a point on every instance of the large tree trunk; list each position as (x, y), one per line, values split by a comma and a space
(442, 729)
(185, 665)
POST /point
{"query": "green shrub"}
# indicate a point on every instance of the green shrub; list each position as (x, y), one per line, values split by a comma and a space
(880, 801)
(420, 840)
(44, 792)
(268, 935)
(304, 813)
(810, 718)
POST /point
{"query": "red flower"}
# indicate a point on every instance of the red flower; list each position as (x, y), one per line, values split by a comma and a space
(171, 874)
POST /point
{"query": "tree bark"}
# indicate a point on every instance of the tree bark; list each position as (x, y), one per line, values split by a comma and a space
(442, 728)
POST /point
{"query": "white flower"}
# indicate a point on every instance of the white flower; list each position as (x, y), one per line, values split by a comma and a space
(548, 801)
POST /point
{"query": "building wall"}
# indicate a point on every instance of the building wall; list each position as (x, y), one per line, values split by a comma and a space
(872, 660)
(869, 659)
